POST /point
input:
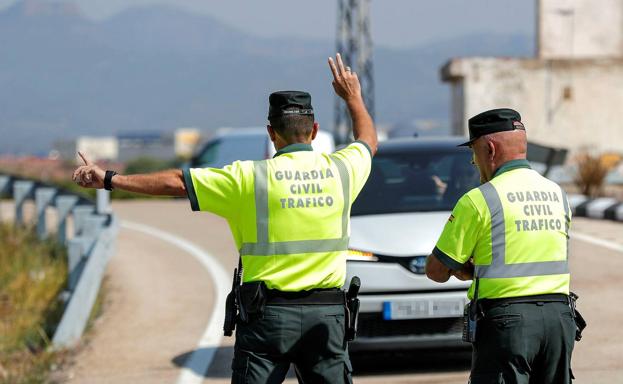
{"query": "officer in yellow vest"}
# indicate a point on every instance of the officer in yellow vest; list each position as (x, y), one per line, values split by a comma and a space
(290, 219)
(511, 236)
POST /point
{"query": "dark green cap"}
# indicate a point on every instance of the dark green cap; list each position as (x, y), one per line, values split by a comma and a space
(289, 103)
(494, 120)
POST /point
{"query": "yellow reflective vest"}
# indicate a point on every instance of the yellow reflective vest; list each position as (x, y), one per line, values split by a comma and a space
(290, 215)
(515, 229)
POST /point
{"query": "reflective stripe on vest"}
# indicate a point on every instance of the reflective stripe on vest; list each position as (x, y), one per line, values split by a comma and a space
(498, 267)
(565, 203)
(263, 247)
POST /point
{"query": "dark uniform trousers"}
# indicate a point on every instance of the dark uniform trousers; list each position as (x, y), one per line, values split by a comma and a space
(312, 337)
(524, 343)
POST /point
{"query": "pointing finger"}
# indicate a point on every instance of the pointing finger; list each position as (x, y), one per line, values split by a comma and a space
(84, 158)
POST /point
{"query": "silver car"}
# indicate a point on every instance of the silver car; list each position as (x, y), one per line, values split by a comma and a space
(396, 221)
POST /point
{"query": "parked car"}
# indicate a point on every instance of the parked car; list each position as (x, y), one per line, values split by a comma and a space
(230, 145)
(396, 220)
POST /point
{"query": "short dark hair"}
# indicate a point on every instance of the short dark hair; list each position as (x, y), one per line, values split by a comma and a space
(291, 126)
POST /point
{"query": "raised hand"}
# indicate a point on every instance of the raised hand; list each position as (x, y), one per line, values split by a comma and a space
(89, 175)
(345, 82)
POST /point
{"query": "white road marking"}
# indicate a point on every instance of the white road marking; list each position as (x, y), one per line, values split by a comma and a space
(597, 241)
(199, 361)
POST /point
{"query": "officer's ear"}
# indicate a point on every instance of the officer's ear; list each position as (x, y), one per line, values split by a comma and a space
(490, 149)
(271, 133)
(315, 129)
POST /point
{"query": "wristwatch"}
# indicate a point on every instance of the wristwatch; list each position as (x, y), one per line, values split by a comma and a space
(108, 180)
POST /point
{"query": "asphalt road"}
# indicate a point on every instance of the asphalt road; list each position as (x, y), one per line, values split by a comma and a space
(160, 300)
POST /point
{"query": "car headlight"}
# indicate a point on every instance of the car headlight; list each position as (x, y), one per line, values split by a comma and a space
(356, 255)
(418, 265)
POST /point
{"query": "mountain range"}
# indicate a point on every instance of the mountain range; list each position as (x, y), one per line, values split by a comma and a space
(157, 68)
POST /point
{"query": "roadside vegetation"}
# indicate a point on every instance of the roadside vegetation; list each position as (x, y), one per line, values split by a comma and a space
(33, 273)
(592, 171)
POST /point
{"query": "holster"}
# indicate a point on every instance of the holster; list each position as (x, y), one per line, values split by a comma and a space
(471, 314)
(231, 305)
(352, 309)
(252, 299)
(580, 323)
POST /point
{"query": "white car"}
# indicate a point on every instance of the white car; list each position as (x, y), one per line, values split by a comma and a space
(395, 223)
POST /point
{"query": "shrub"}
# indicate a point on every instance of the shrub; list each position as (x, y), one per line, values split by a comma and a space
(592, 171)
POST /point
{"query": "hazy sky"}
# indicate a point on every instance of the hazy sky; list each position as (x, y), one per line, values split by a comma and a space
(397, 23)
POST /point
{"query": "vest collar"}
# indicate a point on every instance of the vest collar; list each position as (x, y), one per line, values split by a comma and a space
(296, 147)
(513, 164)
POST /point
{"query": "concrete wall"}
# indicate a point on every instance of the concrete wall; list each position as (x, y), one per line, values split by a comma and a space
(580, 29)
(563, 103)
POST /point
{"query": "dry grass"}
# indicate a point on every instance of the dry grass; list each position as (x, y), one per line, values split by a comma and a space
(32, 274)
(592, 171)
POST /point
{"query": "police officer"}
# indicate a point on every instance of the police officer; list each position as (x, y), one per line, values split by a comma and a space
(510, 235)
(290, 220)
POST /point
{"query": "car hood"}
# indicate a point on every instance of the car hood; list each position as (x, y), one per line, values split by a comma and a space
(397, 234)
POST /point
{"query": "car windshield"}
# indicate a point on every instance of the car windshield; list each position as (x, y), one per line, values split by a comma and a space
(416, 182)
(229, 149)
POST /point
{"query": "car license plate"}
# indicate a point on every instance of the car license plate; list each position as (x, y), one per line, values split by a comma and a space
(423, 308)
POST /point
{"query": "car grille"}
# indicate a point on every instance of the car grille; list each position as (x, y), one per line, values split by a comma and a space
(373, 325)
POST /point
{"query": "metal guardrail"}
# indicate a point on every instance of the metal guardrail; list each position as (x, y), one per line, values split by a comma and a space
(90, 248)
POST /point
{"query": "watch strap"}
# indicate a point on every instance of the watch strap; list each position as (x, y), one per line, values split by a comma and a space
(108, 180)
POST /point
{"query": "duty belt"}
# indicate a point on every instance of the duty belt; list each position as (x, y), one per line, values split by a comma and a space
(331, 296)
(548, 298)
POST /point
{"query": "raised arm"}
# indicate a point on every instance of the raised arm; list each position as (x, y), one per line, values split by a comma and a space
(165, 183)
(347, 86)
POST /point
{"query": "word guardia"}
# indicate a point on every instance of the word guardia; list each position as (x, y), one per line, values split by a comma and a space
(536, 206)
(305, 183)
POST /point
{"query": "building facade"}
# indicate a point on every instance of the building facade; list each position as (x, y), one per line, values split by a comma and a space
(569, 95)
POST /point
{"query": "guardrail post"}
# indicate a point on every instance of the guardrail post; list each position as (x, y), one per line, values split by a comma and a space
(93, 225)
(80, 214)
(43, 198)
(64, 205)
(21, 191)
(108, 236)
(80, 248)
(103, 201)
(5, 182)
(76, 249)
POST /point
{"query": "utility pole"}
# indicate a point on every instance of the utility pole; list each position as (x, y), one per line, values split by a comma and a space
(354, 42)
